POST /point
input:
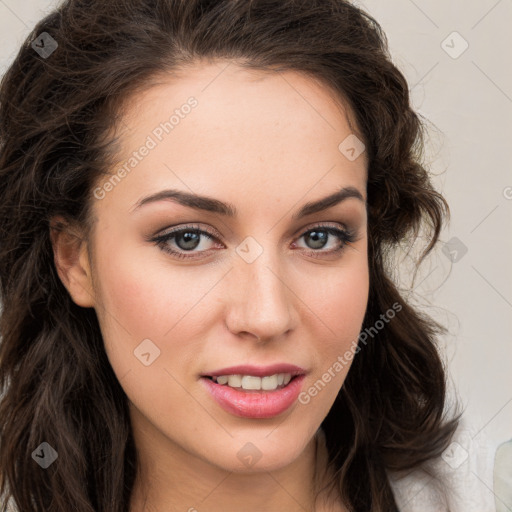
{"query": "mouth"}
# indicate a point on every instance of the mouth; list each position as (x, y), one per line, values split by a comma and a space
(252, 383)
(255, 392)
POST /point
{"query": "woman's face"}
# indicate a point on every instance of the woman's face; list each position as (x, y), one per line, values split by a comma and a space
(257, 277)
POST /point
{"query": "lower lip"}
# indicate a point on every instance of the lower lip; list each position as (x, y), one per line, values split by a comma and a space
(254, 404)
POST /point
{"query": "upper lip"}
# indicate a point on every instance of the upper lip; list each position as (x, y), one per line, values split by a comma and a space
(257, 371)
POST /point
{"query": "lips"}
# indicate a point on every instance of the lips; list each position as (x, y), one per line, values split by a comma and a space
(257, 371)
(257, 403)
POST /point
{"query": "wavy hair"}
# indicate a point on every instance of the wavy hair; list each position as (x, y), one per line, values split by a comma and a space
(56, 112)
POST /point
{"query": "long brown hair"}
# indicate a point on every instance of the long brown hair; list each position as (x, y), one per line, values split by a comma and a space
(55, 112)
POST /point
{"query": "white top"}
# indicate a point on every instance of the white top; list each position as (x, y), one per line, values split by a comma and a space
(464, 480)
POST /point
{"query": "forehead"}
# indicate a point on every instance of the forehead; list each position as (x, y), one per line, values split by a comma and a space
(249, 132)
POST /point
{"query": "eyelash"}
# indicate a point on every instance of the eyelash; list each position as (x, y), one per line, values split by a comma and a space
(345, 236)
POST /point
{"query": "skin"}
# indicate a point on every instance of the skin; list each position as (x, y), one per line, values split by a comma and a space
(267, 143)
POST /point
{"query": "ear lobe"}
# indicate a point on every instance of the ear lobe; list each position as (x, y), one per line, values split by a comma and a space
(72, 261)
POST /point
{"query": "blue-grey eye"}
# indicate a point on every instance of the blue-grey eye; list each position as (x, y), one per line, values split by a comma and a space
(317, 237)
(190, 240)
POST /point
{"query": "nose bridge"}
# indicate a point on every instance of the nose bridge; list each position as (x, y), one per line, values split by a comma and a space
(262, 303)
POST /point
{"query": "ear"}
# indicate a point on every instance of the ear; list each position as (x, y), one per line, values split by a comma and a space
(72, 261)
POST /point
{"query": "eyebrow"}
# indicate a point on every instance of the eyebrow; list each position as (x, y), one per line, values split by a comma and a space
(210, 204)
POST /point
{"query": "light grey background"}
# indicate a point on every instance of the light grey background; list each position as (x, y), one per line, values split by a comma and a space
(468, 98)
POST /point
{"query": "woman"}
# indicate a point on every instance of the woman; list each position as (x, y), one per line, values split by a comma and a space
(198, 204)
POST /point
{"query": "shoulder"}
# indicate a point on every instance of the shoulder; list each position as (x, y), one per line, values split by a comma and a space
(461, 480)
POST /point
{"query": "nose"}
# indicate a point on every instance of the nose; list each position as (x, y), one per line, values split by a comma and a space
(261, 299)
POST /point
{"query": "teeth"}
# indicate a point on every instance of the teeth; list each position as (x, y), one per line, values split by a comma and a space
(249, 382)
(235, 381)
(269, 382)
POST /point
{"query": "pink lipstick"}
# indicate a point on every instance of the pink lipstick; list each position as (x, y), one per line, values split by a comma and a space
(255, 391)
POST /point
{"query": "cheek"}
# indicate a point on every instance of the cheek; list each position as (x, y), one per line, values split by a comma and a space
(151, 333)
(142, 300)
(140, 291)
(339, 306)
(344, 301)
(338, 300)
(347, 317)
